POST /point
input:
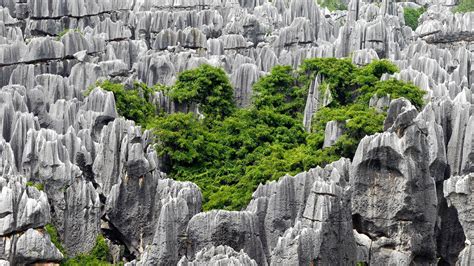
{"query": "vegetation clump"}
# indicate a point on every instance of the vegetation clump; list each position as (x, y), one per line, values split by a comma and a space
(464, 6)
(230, 151)
(38, 186)
(53, 234)
(332, 5)
(98, 256)
(412, 15)
(133, 104)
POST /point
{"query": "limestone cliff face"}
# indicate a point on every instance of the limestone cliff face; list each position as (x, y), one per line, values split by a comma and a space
(404, 199)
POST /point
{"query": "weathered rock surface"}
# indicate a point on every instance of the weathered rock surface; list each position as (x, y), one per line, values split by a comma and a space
(24, 210)
(458, 190)
(395, 164)
(101, 174)
(323, 235)
(238, 230)
(220, 255)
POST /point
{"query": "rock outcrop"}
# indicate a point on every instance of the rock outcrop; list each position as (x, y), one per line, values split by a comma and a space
(404, 199)
(25, 211)
(459, 192)
(394, 164)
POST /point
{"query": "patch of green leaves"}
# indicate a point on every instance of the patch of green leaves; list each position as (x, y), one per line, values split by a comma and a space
(332, 5)
(412, 15)
(38, 186)
(53, 234)
(231, 151)
(99, 255)
(133, 104)
(464, 6)
(207, 86)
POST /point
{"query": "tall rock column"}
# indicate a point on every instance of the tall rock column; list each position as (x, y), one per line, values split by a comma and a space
(394, 197)
(459, 191)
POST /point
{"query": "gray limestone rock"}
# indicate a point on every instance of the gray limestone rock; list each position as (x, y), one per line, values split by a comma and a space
(243, 78)
(323, 235)
(395, 166)
(364, 57)
(317, 97)
(21, 206)
(81, 217)
(460, 119)
(334, 130)
(124, 209)
(35, 246)
(381, 104)
(220, 255)
(278, 205)
(458, 190)
(238, 230)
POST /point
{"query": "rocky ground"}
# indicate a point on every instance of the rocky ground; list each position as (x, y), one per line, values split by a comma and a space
(406, 198)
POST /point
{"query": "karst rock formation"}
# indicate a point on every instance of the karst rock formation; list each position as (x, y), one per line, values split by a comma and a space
(406, 198)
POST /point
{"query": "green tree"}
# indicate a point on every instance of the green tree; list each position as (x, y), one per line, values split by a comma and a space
(412, 15)
(337, 73)
(279, 91)
(230, 152)
(208, 86)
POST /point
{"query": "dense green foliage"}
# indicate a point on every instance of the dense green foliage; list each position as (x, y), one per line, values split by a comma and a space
(53, 234)
(230, 151)
(412, 15)
(207, 86)
(464, 6)
(98, 256)
(134, 104)
(332, 5)
(38, 186)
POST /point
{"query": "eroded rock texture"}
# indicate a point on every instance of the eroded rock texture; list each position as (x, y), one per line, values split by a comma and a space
(404, 199)
(25, 211)
(394, 164)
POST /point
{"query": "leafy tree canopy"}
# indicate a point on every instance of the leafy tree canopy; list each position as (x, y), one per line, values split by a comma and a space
(229, 152)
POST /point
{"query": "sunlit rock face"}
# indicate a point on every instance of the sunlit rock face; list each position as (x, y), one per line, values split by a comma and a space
(69, 160)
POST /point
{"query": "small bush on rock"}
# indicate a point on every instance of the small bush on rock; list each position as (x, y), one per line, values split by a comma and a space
(412, 15)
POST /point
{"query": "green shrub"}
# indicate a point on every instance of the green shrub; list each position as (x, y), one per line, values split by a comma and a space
(134, 104)
(38, 186)
(98, 256)
(412, 15)
(464, 6)
(394, 88)
(207, 86)
(53, 233)
(337, 73)
(332, 5)
(279, 91)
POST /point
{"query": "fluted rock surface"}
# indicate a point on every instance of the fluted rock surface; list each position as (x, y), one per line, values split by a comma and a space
(102, 175)
(459, 192)
(238, 230)
(394, 165)
(220, 255)
(323, 235)
(24, 210)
